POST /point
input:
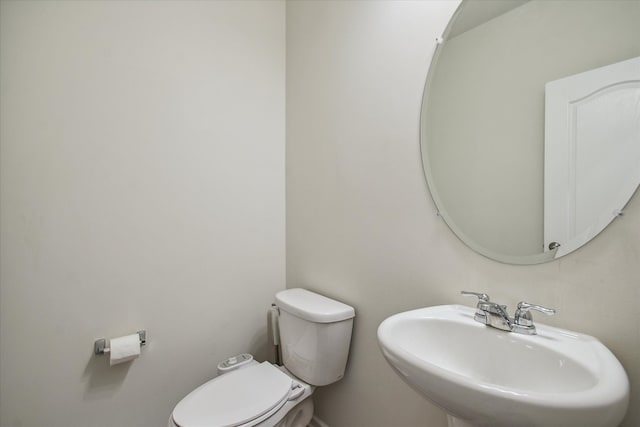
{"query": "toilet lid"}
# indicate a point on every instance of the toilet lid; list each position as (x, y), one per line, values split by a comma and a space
(234, 398)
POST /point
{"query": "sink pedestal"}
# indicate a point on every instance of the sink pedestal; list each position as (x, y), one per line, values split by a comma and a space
(457, 422)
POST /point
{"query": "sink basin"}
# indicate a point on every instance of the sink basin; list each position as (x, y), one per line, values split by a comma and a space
(483, 376)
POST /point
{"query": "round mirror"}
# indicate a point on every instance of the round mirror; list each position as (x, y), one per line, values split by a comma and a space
(530, 127)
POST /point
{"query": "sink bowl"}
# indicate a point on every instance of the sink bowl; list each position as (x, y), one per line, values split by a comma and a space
(483, 376)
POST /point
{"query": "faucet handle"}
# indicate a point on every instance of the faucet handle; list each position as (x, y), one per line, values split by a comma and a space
(481, 297)
(523, 316)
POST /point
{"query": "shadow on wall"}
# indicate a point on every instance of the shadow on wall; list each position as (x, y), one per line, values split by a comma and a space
(101, 379)
(260, 345)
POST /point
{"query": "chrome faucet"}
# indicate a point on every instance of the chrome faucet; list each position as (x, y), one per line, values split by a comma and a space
(496, 316)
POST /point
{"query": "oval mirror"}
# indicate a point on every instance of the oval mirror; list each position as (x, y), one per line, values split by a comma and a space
(530, 127)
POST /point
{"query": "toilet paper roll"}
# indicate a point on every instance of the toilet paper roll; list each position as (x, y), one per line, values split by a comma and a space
(124, 349)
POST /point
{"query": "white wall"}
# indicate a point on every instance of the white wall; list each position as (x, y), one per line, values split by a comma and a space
(361, 226)
(142, 187)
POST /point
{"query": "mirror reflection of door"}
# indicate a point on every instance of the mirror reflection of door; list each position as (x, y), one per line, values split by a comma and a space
(483, 118)
(592, 151)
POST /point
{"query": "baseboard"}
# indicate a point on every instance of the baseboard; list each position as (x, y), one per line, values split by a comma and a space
(317, 422)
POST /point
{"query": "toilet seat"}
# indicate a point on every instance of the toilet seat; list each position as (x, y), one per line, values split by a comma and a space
(241, 398)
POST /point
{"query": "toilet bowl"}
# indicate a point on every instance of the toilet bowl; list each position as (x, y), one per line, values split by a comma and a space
(315, 335)
(261, 395)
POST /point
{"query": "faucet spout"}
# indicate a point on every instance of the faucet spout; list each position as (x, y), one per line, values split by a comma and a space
(497, 316)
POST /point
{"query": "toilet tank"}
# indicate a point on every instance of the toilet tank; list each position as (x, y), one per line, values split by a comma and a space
(315, 334)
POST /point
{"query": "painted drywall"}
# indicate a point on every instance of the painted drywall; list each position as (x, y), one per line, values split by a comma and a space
(504, 111)
(142, 187)
(361, 226)
(141, 150)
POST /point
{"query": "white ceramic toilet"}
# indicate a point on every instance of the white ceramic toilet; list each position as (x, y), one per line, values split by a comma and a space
(315, 334)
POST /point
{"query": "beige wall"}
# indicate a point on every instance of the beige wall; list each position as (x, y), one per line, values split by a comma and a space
(142, 187)
(362, 228)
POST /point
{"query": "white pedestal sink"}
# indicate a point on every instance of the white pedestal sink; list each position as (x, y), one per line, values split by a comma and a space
(483, 376)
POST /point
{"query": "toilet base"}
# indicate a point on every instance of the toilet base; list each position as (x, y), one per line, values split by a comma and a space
(299, 416)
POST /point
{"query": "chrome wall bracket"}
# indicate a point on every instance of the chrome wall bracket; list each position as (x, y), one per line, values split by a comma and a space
(100, 346)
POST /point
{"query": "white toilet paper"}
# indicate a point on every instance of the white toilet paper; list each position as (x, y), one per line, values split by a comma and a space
(124, 349)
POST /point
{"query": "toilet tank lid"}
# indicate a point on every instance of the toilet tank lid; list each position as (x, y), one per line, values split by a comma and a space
(313, 307)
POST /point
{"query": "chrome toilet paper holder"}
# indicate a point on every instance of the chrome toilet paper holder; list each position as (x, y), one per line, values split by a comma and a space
(100, 346)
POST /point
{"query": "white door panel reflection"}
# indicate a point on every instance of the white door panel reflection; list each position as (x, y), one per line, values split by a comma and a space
(592, 152)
